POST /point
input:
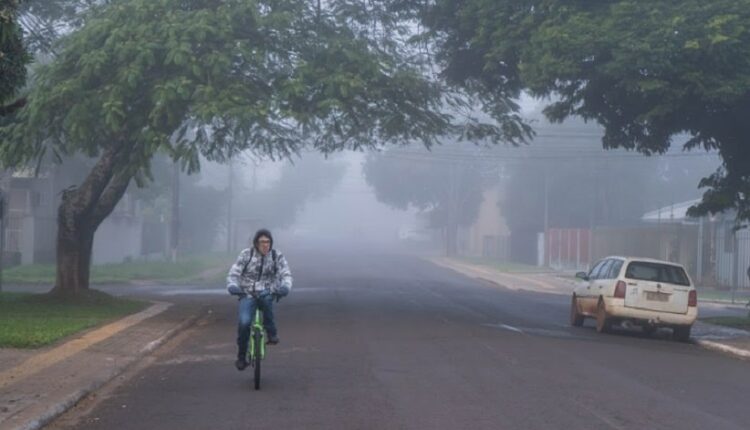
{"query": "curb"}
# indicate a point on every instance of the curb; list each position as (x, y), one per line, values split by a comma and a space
(740, 353)
(63, 406)
(723, 302)
(530, 290)
(726, 349)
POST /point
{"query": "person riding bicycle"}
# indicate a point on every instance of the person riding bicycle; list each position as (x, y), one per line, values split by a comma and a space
(265, 270)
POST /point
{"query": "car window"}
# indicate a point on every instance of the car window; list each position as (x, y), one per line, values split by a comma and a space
(657, 272)
(614, 269)
(595, 270)
(604, 270)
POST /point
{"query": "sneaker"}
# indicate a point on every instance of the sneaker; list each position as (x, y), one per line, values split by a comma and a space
(272, 340)
(240, 364)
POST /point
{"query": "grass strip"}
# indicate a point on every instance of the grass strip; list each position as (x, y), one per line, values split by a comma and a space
(185, 270)
(34, 320)
(734, 322)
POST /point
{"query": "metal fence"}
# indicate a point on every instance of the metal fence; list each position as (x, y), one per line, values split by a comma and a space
(732, 256)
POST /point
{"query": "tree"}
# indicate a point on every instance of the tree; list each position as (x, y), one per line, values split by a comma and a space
(646, 71)
(211, 78)
(445, 183)
(34, 26)
(13, 58)
(46, 22)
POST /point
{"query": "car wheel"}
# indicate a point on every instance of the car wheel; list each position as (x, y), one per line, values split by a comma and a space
(681, 333)
(603, 322)
(576, 319)
(649, 330)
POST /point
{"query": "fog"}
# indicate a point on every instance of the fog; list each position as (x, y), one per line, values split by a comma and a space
(470, 199)
(462, 197)
(346, 214)
(330, 204)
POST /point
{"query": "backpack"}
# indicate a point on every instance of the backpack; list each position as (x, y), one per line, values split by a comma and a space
(252, 253)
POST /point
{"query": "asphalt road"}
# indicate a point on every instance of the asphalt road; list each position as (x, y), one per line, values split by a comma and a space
(375, 341)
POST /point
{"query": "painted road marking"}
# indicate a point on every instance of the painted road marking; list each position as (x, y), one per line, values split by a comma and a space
(511, 328)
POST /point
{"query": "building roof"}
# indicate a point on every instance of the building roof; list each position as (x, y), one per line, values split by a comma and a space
(674, 213)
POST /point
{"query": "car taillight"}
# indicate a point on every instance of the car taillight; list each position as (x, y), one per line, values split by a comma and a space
(620, 290)
(693, 299)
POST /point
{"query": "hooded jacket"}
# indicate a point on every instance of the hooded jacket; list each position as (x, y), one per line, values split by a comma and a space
(265, 272)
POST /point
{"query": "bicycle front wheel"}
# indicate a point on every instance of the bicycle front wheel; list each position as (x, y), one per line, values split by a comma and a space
(258, 342)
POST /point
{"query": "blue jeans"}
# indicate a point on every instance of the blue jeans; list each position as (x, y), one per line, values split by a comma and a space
(247, 312)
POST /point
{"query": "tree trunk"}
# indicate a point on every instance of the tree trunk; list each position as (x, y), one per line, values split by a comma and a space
(75, 241)
(81, 212)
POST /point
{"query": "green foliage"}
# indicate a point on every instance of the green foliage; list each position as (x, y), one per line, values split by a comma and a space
(212, 78)
(46, 22)
(189, 269)
(13, 55)
(646, 71)
(31, 321)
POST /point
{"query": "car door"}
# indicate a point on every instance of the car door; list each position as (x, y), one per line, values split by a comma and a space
(583, 286)
(584, 292)
(613, 274)
(600, 286)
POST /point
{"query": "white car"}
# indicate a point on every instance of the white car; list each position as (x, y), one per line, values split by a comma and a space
(642, 291)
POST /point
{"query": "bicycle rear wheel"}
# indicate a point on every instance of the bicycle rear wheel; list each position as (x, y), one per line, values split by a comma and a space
(258, 339)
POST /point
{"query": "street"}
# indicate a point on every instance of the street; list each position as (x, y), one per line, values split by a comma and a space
(375, 341)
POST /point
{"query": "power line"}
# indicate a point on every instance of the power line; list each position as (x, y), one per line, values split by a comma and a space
(427, 157)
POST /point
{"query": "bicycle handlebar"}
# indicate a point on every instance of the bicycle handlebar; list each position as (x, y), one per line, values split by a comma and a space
(250, 292)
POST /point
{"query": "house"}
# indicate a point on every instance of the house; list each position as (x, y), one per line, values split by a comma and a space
(719, 254)
(712, 251)
(30, 222)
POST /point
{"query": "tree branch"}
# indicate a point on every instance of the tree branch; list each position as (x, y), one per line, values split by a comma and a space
(85, 197)
(13, 107)
(111, 196)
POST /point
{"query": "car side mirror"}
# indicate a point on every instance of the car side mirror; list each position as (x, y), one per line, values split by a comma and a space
(582, 275)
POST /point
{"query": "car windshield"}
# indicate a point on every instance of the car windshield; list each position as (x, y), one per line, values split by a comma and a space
(657, 272)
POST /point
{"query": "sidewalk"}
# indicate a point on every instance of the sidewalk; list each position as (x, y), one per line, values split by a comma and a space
(38, 385)
(724, 339)
(537, 282)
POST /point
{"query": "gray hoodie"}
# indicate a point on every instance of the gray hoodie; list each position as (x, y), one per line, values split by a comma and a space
(252, 267)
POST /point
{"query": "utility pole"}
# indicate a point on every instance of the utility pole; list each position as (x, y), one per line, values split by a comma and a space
(2, 235)
(735, 262)
(546, 219)
(255, 175)
(591, 243)
(699, 263)
(230, 190)
(175, 227)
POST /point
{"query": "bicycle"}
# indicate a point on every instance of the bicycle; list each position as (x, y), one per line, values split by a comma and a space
(256, 350)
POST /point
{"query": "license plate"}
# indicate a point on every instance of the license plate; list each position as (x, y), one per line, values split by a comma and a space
(657, 297)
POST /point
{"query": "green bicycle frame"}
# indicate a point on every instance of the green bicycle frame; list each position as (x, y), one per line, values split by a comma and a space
(257, 327)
